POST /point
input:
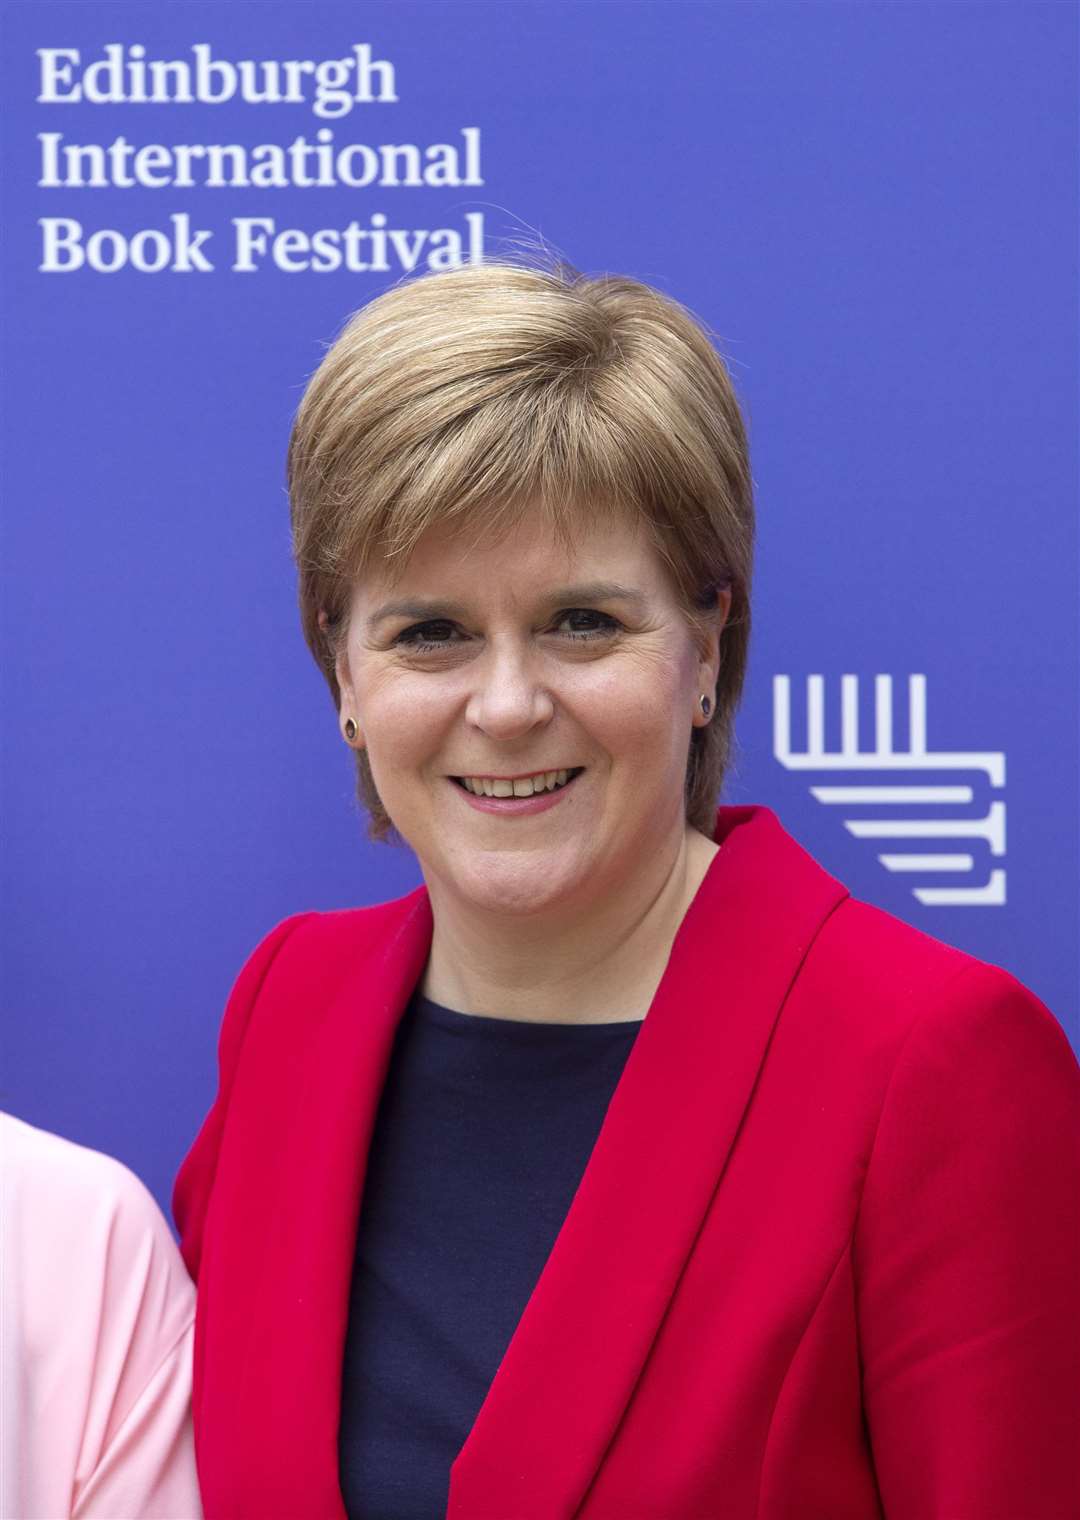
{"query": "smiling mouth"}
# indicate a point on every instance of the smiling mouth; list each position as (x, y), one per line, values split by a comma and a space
(535, 785)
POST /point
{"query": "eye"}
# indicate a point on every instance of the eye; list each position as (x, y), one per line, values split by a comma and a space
(586, 623)
(439, 633)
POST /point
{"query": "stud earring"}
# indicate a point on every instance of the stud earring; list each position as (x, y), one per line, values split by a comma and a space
(351, 730)
(706, 706)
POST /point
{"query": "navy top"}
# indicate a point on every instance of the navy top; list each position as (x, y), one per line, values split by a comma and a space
(483, 1132)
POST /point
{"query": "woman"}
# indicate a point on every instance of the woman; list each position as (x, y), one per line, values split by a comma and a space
(96, 1329)
(629, 1168)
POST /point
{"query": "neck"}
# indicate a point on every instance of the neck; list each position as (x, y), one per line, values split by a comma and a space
(593, 968)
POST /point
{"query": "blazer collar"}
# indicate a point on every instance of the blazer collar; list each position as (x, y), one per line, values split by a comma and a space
(582, 1341)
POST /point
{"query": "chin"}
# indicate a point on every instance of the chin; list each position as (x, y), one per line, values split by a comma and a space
(514, 885)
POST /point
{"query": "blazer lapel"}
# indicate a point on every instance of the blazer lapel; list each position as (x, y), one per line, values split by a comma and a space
(582, 1341)
(308, 1128)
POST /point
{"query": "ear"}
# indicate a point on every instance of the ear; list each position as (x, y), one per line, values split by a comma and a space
(709, 663)
(347, 706)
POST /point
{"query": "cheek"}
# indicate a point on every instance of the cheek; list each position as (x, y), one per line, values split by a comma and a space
(634, 707)
(404, 717)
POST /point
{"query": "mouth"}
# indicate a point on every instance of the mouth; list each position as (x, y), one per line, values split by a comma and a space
(510, 788)
(516, 796)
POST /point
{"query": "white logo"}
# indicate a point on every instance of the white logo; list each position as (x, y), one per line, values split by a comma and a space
(935, 800)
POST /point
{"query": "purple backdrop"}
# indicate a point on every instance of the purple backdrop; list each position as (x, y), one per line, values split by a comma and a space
(874, 205)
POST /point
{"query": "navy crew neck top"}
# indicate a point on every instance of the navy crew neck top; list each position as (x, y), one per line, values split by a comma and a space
(483, 1131)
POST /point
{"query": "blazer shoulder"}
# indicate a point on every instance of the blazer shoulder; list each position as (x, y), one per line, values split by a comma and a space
(858, 935)
(338, 935)
(304, 960)
(884, 978)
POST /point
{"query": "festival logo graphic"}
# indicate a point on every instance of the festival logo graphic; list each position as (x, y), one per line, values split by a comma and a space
(950, 825)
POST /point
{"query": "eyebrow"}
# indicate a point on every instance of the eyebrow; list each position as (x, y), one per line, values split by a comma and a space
(418, 608)
(428, 609)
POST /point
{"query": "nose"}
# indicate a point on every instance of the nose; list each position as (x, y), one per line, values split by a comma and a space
(508, 702)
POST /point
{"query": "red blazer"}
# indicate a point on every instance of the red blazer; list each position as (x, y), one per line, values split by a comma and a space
(823, 1263)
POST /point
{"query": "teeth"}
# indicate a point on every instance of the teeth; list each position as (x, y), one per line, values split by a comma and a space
(527, 786)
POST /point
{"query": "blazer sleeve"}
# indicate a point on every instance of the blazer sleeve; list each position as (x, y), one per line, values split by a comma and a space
(967, 1263)
(195, 1179)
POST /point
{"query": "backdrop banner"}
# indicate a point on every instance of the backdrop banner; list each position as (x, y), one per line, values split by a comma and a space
(873, 207)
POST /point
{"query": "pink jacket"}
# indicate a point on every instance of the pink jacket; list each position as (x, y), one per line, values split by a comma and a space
(96, 1315)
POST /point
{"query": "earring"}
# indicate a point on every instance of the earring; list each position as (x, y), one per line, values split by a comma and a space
(706, 706)
(351, 730)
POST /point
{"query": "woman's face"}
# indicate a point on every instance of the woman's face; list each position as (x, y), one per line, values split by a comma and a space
(504, 666)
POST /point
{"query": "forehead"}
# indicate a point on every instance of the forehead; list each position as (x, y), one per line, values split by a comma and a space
(523, 561)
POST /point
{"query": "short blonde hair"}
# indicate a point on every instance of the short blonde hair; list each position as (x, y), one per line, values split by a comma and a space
(473, 396)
